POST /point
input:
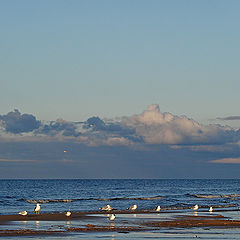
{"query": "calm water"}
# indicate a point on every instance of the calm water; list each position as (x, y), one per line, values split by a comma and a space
(85, 195)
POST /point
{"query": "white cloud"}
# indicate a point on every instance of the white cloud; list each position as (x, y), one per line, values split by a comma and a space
(227, 160)
(149, 127)
(164, 128)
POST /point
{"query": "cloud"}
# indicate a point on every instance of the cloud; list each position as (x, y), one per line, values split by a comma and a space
(163, 144)
(156, 127)
(149, 127)
(230, 118)
(97, 124)
(16, 160)
(227, 160)
(15, 122)
(59, 126)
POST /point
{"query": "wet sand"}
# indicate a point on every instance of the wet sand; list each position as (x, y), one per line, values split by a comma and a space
(28, 232)
(44, 217)
(195, 221)
(130, 224)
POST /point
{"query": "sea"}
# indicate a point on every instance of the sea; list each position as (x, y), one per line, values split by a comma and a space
(91, 194)
(76, 195)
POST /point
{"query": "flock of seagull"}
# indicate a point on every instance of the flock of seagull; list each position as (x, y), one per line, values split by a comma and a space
(105, 208)
(37, 210)
(195, 208)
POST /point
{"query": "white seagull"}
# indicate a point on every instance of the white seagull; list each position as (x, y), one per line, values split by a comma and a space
(37, 208)
(106, 208)
(112, 217)
(210, 209)
(195, 208)
(68, 214)
(134, 207)
(23, 213)
(158, 208)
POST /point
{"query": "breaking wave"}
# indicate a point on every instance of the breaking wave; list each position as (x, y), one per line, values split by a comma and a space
(185, 206)
(87, 199)
(216, 196)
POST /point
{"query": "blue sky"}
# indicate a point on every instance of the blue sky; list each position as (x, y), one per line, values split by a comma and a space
(78, 59)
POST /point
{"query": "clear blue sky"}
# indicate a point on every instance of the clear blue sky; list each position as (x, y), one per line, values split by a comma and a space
(75, 59)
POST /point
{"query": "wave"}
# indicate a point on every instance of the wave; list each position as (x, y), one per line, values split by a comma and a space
(87, 199)
(129, 198)
(185, 206)
(216, 196)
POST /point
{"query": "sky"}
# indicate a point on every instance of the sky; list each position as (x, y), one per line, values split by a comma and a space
(119, 89)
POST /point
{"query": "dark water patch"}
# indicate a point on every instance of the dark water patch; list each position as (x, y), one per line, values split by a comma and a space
(219, 206)
(129, 198)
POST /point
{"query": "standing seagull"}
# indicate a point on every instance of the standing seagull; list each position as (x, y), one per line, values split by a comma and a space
(37, 208)
(112, 217)
(158, 208)
(106, 208)
(24, 213)
(134, 207)
(195, 208)
(68, 214)
(210, 209)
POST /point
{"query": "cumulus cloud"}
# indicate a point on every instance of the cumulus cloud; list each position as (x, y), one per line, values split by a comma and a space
(163, 144)
(15, 122)
(165, 128)
(227, 160)
(108, 132)
(97, 124)
(149, 127)
(59, 126)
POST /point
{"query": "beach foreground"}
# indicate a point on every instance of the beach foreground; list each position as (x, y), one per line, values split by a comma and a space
(59, 225)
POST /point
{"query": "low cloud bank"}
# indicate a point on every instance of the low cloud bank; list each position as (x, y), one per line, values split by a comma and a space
(149, 127)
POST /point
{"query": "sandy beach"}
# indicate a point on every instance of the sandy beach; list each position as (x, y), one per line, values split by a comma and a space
(97, 222)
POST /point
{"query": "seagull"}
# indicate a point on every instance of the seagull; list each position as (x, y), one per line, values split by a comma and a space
(158, 208)
(37, 208)
(24, 213)
(134, 207)
(112, 217)
(210, 209)
(107, 208)
(68, 214)
(195, 207)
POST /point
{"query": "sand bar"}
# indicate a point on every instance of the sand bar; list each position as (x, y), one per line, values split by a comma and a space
(133, 225)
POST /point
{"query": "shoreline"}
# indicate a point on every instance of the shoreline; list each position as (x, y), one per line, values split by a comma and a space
(58, 216)
(178, 221)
